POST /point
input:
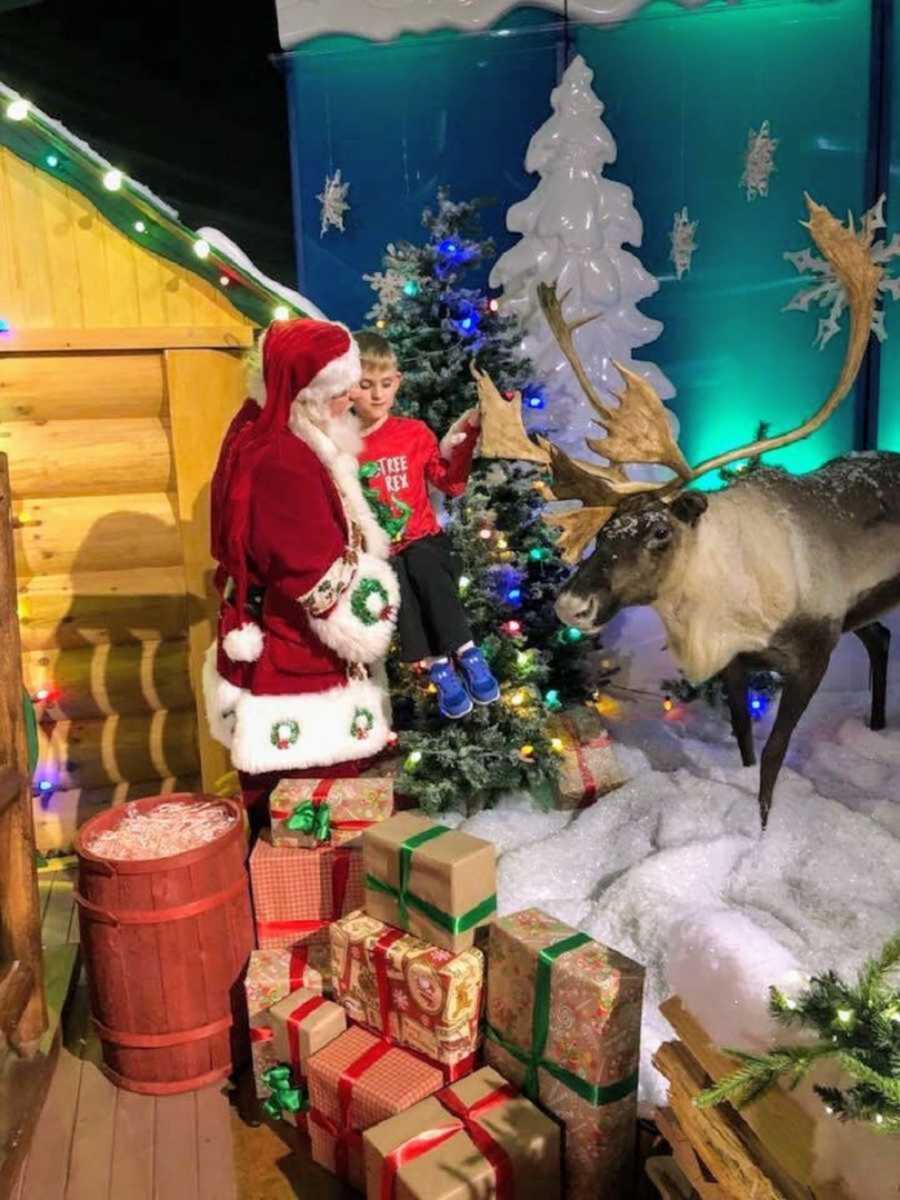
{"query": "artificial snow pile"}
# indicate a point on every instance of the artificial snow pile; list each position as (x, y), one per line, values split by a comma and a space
(168, 829)
(672, 870)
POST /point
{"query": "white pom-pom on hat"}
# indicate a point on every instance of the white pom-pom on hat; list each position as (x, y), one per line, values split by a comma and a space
(244, 644)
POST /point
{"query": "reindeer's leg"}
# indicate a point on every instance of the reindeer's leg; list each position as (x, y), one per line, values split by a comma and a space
(877, 640)
(741, 725)
(804, 655)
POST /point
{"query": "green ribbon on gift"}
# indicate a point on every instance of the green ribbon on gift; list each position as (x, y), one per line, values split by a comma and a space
(311, 818)
(407, 899)
(595, 1093)
(286, 1096)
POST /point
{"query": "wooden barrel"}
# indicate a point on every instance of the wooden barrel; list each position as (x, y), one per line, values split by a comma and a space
(166, 943)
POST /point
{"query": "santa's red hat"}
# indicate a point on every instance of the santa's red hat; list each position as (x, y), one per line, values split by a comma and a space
(303, 361)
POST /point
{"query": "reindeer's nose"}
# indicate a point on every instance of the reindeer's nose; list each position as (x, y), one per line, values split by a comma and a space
(579, 611)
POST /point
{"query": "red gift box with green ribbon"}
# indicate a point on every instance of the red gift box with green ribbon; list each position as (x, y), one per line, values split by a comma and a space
(315, 812)
(428, 880)
(357, 1081)
(480, 1133)
(563, 1022)
(298, 893)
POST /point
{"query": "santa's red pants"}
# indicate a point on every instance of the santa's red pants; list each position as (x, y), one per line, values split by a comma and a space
(256, 789)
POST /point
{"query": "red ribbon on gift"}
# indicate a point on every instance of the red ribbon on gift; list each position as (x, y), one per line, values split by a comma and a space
(342, 1131)
(261, 1033)
(299, 961)
(320, 794)
(379, 961)
(292, 1024)
(465, 1122)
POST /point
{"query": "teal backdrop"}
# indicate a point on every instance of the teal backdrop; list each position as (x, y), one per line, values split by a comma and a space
(682, 90)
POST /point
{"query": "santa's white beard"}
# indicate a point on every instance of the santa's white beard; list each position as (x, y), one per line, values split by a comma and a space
(344, 431)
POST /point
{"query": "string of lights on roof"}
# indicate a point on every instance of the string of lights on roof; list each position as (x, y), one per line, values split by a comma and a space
(132, 207)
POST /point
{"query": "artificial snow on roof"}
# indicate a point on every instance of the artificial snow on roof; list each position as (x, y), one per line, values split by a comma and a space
(230, 250)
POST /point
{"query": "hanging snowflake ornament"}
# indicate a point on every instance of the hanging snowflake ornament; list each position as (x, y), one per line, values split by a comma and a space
(759, 161)
(828, 292)
(388, 286)
(333, 198)
(683, 243)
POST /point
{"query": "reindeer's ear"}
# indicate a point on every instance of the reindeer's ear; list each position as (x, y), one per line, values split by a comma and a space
(689, 507)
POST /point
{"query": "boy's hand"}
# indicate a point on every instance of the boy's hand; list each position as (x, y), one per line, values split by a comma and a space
(473, 418)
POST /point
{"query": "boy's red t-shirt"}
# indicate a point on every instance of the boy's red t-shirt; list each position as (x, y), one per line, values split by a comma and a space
(406, 458)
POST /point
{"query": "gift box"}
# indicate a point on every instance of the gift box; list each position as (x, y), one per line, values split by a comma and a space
(479, 1137)
(298, 893)
(302, 1024)
(431, 881)
(311, 812)
(563, 1023)
(274, 974)
(391, 769)
(357, 1081)
(419, 996)
(588, 764)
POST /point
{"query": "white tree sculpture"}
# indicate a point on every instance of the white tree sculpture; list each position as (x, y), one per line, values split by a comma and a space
(573, 227)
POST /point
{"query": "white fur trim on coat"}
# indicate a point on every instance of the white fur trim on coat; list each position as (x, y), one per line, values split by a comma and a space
(317, 728)
(336, 377)
(342, 631)
(456, 434)
(344, 470)
(220, 699)
(244, 644)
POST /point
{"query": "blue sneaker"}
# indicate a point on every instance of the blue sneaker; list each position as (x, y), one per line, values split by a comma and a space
(453, 699)
(483, 687)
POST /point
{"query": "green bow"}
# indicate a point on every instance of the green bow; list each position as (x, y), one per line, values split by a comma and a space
(391, 517)
(311, 818)
(594, 1093)
(286, 1096)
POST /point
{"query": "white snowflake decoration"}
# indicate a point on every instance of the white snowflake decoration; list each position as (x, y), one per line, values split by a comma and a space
(333, 198)
(828, 292)
(388, 285)
(683, 243)
(759, 161)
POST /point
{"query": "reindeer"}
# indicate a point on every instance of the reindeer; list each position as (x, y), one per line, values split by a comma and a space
(765, 574)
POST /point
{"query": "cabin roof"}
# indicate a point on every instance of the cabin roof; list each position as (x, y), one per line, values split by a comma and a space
(140, 215)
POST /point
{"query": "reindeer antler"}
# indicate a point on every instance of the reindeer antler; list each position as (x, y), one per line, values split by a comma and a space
(637, 430)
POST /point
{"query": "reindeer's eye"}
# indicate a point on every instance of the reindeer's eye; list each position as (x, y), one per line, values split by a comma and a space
(658, 537)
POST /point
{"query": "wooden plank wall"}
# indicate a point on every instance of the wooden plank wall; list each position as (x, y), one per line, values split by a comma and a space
(64, 266)
(117, 380)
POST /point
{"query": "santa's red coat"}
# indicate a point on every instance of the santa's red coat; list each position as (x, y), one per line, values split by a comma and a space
(304, 697)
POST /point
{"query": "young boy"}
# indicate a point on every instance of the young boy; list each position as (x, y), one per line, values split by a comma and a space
(400, 458)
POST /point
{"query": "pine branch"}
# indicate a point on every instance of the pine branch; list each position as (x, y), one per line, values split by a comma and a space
(758, 1073)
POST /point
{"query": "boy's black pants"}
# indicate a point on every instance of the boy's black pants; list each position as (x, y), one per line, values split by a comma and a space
(432, 620)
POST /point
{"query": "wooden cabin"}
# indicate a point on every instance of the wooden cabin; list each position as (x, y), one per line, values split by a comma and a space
(121, 344)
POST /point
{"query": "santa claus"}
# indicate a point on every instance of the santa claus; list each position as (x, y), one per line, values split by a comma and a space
(308, 600)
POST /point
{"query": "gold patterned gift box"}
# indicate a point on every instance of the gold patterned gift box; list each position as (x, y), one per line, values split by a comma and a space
(420, 996)
(312, 812)
(588, 766)
(434, 882)
(563, 1023)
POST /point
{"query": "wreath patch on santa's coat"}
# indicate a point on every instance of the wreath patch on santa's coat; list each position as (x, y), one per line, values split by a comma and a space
(370, 602)
(362, 724)
(284, 734)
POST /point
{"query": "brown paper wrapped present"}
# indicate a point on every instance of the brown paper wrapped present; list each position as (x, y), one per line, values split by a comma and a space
(302, 1024)
(298, 893)
(588, 767)
(417, 995)
(274, 974)
(564, 1023)
(355, 1082)
(479, 1137)
(435, 882)
(314, 812)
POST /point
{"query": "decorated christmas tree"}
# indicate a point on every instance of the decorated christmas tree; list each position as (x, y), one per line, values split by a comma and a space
(574, 226)
(438, 326)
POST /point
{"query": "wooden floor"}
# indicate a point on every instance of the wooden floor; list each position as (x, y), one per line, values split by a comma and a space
(96, 1142)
